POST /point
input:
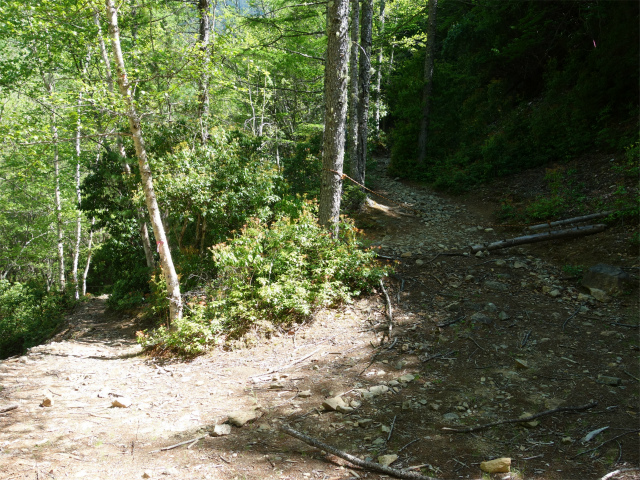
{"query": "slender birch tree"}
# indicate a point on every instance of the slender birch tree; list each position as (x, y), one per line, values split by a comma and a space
(166, 262)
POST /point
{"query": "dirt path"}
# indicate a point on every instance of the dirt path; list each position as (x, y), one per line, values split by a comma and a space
(474, 340)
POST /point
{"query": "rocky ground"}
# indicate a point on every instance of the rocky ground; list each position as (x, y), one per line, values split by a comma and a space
(474, 339)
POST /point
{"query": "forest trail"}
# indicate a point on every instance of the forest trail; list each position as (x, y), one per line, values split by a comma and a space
(474, 340)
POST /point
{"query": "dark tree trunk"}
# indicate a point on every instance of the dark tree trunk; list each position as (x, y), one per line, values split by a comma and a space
(364, 87)
(376, 122)
(428, 75)
(352, 129)
(335, 98)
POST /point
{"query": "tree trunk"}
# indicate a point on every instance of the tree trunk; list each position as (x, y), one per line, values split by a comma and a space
(364, 86)
(203, 43)
(376, 122)
(144, 231)
(85, 274)
(335, 113)
(76, 250)
(168, 270)
(352, 129)
(48, 83)
(428, 76)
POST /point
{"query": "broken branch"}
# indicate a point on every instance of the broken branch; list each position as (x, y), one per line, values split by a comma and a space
(8, 408)
(389, 311)
(522, 419)
(567, 221)
(376, 467)
(171, 447)
(541, 237)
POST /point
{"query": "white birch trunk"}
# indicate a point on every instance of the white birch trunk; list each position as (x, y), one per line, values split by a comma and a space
(168, 270)
(144, 231)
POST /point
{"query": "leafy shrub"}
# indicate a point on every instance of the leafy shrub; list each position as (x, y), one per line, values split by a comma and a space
(130, 289)
(273, 274)
(28, 315)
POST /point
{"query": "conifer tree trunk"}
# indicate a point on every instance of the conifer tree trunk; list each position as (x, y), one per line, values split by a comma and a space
(352, 128)
(364, 87)
(428, 75)
(376, 121)
(168, 270)
(335, 113)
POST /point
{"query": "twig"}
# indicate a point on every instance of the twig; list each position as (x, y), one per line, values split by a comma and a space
(436, 355)
(274, 370)
(470, 338)
(446, 324)
(171, 447)
(8, 408)
(607, 441)
(525, 339)
(624, 325)
(410, 443)
(572, 315)
(521, 420)
(635, 378)
(376, 467)
(393, 424)
(389, 310)
(620, 470)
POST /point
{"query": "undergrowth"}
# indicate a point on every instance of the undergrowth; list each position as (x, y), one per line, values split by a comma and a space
(270, 275)
(28, 315)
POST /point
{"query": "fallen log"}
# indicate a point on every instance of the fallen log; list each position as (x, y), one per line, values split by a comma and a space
(568, 221)
(376, 467)
(541, 237)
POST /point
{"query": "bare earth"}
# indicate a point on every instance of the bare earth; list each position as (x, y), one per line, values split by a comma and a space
(473, 341)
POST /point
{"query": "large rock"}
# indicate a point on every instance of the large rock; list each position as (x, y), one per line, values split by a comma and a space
(241, 417)
(499, 465)
(609, 279)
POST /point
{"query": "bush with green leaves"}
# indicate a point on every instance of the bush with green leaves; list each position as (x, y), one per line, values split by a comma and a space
(270, 274)
(28, 315)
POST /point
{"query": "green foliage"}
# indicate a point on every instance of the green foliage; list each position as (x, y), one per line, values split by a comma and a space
(270, 274)
(130, 289)
(517, 85)
(302, 167)
(28, 316)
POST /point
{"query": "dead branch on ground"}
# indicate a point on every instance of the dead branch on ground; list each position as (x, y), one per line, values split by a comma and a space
(376, 467)
(522, 419)
(8, 408)
(568, 221)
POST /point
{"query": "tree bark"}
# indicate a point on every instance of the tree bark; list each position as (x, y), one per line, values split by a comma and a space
(168, 270)
(335, 113)
(376, 121)
(85, 273)
(47, 79)
(352, 127)
(428, 76)
(76, 250)
(203, 43)
(144, 231)
(364, 87)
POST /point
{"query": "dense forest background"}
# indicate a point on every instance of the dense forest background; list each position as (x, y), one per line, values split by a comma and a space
(230, 97)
